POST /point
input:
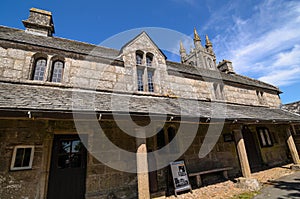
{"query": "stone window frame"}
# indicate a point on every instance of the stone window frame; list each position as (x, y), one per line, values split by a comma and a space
(260, 96)
(148, 86)
(14, 157)
(139, 57)
(35, 58)
(218, 89)
(54, 60)
(149, 59)
(265, 137)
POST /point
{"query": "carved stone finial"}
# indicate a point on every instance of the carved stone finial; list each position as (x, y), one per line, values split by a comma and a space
(182, 49)
(207, 41)
(196, 35)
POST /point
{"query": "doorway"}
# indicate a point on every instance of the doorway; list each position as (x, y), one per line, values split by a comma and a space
(68, 168)
(253, 154)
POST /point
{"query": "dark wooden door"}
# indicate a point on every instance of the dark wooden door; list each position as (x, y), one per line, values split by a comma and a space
(68, 168)
(253, 154)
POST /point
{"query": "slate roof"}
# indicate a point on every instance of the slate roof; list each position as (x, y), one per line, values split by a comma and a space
(56, 99)
(292, 107)
(16, 35)
(188, 69)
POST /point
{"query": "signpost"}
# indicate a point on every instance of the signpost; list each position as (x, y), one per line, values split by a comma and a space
(180, 177)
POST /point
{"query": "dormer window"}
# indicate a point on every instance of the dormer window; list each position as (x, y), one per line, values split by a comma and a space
(139, 57)
(149, 59)
(57, 71)
(39, 69)
(145, 73)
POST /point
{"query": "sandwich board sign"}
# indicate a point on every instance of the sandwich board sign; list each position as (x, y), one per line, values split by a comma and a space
(180, 177)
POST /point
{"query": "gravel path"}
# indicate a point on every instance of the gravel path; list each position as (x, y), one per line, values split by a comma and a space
(228, 189)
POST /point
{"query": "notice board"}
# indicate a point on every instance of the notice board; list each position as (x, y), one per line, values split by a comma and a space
(180, 177)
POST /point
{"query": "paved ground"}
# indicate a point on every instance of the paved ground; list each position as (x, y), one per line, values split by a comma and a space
(282, 188)
(228, 189)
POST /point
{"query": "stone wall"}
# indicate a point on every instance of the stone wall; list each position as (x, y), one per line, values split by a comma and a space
(278, 153)
(25, 184)
(101, 180)
(16, 65)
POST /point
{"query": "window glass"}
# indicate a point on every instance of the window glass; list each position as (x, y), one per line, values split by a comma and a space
(70, 154)
(39, 69)
(264, 137)
(139, 59)
(57, 71)
(150, 81)
(22, 157)
(140, 73)
(268, 137)
(149, 60)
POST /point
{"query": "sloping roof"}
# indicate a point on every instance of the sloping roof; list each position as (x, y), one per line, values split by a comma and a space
(188, 69)
(55, 99)
(139, 35)
(16, 35)
(292, 107)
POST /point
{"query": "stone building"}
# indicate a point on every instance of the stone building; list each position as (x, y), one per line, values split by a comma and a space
(79, 120)
(295, 129)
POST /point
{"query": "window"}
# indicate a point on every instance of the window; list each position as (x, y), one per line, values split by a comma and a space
(260, 96)
(140, 74)
(264, 137)
(139, 57)
(145, 74)
(149, 59)
(218, 91)
(22, 158)
(164, 138)
(39, 69)
(70, 154)
(57, 71)
(150, 81)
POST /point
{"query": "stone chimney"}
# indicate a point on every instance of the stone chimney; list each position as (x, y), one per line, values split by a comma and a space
(39, 22)
(226, 66)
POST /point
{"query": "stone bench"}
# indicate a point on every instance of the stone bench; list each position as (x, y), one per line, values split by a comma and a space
(198, 174)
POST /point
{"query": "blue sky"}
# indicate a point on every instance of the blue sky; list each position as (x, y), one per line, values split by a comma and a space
(260, 37)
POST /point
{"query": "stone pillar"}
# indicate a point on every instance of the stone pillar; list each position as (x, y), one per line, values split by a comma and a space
(245, 182)
(292, 148)
(241, 149)
(142, 168)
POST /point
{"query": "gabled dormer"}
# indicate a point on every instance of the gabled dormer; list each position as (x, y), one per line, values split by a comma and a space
(146, 62)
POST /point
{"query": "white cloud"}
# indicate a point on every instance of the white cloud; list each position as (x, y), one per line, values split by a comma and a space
(264, 44)
(190, 2)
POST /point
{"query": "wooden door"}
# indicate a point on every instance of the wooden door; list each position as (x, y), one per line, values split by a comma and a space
(68, 168)
(253, 154)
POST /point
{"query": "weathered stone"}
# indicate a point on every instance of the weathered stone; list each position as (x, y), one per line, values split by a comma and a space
(250, 184)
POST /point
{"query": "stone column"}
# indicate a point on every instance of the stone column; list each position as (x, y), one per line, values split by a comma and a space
(245, 182)
(142, 167)
(293, 149)
(241, 149)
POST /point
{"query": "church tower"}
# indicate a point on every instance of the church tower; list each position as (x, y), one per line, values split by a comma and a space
(199, 56)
